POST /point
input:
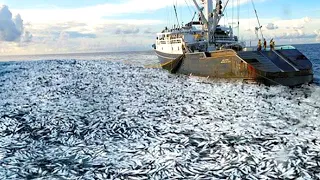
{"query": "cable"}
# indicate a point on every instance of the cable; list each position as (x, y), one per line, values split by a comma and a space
(191, 12)
(238, 19)
(260, 27)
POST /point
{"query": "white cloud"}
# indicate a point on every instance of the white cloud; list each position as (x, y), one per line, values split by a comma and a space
(271, 26)
(294, 23)
(301, 30)
(94, 28)
(12, 29)
(127, 30)
(317, 32)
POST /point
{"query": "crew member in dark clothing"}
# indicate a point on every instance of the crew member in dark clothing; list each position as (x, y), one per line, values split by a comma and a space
(264, 44)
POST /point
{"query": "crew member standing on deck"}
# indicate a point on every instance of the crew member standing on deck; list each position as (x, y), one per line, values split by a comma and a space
(264, 44)
(271, 44)
(259, 45)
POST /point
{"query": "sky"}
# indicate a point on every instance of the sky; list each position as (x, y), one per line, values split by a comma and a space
(67, 26)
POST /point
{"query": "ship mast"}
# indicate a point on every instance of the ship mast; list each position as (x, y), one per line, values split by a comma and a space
(203, 17)
(210, 18)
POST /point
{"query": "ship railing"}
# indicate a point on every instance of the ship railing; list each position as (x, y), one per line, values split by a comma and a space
(226, 50)
(170, 41)
(281, 48)
(224, 39)
(286, 47)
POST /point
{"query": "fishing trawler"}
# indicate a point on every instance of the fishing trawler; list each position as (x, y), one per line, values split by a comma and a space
(205, 48)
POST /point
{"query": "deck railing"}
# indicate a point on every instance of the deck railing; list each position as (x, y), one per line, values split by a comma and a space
(169, 41)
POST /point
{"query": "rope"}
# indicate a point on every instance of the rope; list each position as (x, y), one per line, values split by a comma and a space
(178, 65)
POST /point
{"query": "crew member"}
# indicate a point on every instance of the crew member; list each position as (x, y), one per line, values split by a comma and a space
(272, 44)
(259, 45)
(264, 44)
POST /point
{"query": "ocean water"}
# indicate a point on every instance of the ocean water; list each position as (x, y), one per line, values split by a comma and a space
(107, 116)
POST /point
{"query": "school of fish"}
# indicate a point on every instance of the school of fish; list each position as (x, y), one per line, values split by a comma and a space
(78, 119)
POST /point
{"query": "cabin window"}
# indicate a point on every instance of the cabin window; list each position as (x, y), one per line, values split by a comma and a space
(178, 48)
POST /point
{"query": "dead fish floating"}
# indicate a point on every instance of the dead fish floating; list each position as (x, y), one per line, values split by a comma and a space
(161, 135)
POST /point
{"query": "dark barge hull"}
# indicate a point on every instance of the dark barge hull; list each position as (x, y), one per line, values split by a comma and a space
(288, 67)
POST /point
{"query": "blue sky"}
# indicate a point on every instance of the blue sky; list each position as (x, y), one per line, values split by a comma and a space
(55, 26)
(277, 7)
